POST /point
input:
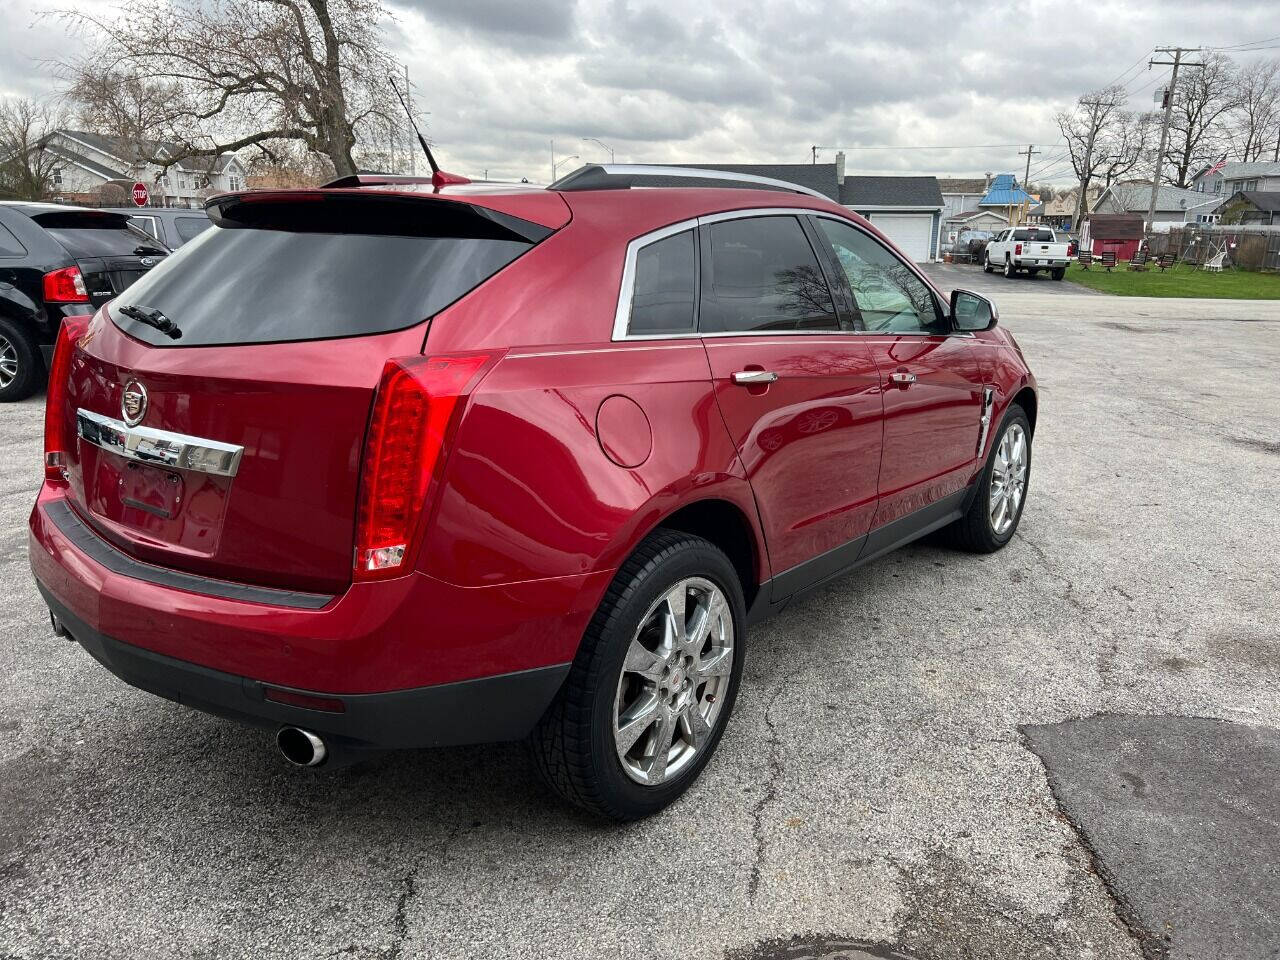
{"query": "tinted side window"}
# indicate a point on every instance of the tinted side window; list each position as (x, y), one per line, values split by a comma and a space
(763, 275)
(665, 289)
(889, 295)
(146, 223)
(191, 227)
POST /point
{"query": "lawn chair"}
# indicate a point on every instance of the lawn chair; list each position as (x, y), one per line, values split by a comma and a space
(1084, 258)
(1166, 261)
(1108, 259)
(1214, 264)
(1139, 260)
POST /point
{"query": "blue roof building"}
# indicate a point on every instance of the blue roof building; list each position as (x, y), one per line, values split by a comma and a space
(1005, 192)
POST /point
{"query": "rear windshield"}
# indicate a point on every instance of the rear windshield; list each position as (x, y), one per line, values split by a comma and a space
(1035, 236)
(325, 268)
(190, 227)
(98, 234)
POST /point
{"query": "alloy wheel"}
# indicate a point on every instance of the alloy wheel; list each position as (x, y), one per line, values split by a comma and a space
(674, 681)
(1008, 479)
(8, 361)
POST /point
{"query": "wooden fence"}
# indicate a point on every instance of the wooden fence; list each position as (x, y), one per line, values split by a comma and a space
(1247, 247)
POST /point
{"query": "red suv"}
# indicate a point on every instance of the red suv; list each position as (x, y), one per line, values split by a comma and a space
(392, 464)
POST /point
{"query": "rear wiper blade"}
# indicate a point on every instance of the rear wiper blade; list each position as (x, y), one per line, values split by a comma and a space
(152, 318)
(143, 249)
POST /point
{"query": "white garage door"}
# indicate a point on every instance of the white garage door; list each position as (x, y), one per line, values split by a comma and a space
(912, 232)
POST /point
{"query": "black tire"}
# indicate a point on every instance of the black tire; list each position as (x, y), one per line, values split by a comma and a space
(974, 531)
(1009, 271)
(986, 263)
(1058, 273)
(573, 745)
(23, 372)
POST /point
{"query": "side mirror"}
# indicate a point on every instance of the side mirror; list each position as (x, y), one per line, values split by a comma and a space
(971, 312)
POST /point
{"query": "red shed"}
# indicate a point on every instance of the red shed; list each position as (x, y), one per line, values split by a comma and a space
(1121, 232)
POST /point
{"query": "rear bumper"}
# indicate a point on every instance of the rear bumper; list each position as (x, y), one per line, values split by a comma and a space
(489, 709)
(416, 661)
(1047, 263)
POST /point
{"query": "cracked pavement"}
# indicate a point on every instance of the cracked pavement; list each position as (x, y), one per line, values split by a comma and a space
(874, 795)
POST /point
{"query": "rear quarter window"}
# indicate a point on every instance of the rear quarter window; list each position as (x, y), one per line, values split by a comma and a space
(10, 246)
(191, 227)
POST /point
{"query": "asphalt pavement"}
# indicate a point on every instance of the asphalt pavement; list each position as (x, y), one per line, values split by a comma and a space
(880, 791)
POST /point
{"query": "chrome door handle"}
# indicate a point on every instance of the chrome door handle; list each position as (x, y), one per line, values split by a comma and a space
(748, 377)
(902, 379)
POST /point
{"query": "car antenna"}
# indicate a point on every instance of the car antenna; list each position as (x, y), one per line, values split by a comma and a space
(439, 178)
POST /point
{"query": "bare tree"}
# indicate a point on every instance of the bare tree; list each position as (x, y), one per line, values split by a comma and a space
(1127, 143)
(26, 168)
(1197, 133)
(1094, 118)
(1256, 117)
(241, 73)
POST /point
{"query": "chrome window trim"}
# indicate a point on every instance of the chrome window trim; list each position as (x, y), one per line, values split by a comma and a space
(622, 314)
(163, 448)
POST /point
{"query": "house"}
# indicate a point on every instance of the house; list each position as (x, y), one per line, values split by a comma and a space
(971, 220)
(1006, 195)
(1223, 180)
(1060, 212)
(961, 195)
(1118, 233)
(1174, 205)
(1251, 207)
(88, 162)
(908, 210)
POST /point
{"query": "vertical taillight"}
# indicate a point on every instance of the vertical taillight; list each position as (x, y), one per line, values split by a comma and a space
(65, 286)
(414, 414)
(59, 434)
(1017, 249)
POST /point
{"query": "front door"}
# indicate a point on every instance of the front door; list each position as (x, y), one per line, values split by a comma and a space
(933, 380)
(800, 396)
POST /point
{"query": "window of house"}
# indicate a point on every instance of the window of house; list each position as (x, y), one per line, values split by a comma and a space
(890, 297)
(665, 291)
(763, 275)
(182, 182)
(1251, 185)
(57, 176)
(234, 183)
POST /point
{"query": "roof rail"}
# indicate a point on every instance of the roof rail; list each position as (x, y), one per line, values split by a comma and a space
(623, 176)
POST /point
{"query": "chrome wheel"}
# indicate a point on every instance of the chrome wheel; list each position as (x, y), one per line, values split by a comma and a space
(674, 681)
(8, 362)
(1008, 479)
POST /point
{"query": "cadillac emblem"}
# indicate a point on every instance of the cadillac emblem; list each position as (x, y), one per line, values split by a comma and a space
(133, 403)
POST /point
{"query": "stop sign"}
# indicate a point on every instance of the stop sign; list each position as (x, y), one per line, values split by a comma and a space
(140, 194)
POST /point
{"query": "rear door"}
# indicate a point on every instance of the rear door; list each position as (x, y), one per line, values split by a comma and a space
(111, 253)
(250, 425)
(933, 380)
(800, 396)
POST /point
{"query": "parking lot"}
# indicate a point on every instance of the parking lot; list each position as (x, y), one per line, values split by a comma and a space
(1066, 749)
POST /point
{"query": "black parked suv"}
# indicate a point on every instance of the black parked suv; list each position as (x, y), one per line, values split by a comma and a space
(56, 261)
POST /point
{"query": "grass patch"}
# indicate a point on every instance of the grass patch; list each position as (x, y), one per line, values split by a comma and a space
(1179, 281)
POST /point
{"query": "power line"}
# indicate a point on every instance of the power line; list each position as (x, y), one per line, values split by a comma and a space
(1250, 44)
(1136, 63)
(975, 146)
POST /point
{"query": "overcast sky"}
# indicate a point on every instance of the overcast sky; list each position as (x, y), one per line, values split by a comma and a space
(753, 82)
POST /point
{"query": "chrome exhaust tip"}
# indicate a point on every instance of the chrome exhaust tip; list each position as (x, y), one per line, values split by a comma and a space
(301, 747)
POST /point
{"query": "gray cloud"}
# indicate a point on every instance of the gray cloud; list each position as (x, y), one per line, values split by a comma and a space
(754, 80)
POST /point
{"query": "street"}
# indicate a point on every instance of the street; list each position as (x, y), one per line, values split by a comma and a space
(904, 775)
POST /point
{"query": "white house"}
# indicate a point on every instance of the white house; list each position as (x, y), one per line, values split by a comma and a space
(88, 161)
(1263, 176)
(1173, 204)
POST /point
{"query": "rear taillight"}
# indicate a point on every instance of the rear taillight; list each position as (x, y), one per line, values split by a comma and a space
(1017, 249)
(1071, 249)
(65, 286)
(58, 432)
(415, 412)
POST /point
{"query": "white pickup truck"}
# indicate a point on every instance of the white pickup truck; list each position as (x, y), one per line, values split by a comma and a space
(1027, 248)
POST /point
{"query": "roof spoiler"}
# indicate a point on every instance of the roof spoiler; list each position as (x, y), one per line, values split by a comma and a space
(438, 179)
(624, 176)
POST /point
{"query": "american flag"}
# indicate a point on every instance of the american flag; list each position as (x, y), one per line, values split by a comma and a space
(1217, 166)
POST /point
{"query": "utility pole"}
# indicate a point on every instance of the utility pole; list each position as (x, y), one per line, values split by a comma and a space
(1028, 152)
(1176, 62)
(814, 150)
